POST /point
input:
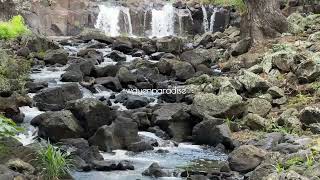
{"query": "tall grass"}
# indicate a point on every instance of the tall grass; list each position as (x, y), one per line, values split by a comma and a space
(13, 28)
(54, 163)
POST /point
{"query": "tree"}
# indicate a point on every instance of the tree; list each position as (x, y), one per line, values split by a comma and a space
(263, 20)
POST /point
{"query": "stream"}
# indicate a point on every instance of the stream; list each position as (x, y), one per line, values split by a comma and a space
(172, 156)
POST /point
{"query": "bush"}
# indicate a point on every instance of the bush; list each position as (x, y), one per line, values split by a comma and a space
(13, 28)
(237, 4)
(7, 127)
(13, 72)
(54, 163)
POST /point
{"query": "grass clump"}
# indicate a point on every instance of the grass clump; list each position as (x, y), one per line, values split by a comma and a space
(55, 164)
(13, 28)
(8, 128)
(237, 4)
(299, 100)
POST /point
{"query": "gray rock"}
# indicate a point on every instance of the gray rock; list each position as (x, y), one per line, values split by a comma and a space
(117, 56)
(241, 47)
(310, 115)
(276, 92)
(55, 99)
(223, 105)
(246, 158)
(154, 170)
(57, 125)
(169, 44)
(112, 83)
(255, 122)
(91, 113)
(58, 56)
(119, 135)
(259, 106)
(125, 76)
(212, 132)
(253, 82)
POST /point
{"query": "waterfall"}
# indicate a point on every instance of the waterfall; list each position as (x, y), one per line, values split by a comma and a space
(163, 21)
(108, 20)
(212, 19)
(205, 19)
(128, 22)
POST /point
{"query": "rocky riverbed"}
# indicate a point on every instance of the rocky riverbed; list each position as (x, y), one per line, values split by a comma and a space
(243, 114)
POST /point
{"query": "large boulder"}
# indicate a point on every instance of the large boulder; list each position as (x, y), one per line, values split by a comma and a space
(223, 105)
(119, 135)
(91, 113)
(57, 125)
(255, 122)
(125, 76)
(259, 106)
(154, 170)
(122, 44)
(112, 83)
(169, 44)
(94, 34)
(109, 70)
(180, 69)
(117, 56)
(76, 71)
(246, 158)
(57, 56)
(174, 119)
(212, 132)
(240, 47)
(200, 56)
(253, 82)
(55, 99)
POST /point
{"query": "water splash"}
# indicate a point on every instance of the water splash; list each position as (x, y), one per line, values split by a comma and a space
(212, 19)
(108, 20)
(163, 21)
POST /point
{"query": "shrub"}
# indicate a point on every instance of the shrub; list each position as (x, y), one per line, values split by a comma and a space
(13, 72)
(54, 163)
(13, 28)
(7, 127)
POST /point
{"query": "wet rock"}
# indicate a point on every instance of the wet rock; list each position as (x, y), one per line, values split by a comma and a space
(57, 125)
(119, 135)
(246, 158)
(37, 43)
(158, 132)
(259, 106)
(174, 120)
(154, 170)
(142, 119)
(83, 66)
(241, 47)
(91, 114)
(180, 69)
(117, 56)
(134, 102)
(123, 45)
(20, 166)
(59, 56)
(157, 55)
(223, 105)
(140, 146)
(55, 99)
(310, 115)
(109, 70)
(212, 132)
(169, 44)
(105, 165)
(125, 76)
(72, 76)
(255, 122)
(112, 83)
(34, 87)
(98, 35)
(253, 82)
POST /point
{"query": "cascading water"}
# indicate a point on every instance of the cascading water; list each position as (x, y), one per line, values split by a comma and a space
(163, 21)
(108, 20)
(127, 19)
(205, 19)
(212, 19)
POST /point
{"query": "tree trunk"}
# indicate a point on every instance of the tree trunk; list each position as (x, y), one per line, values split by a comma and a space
(263, 20)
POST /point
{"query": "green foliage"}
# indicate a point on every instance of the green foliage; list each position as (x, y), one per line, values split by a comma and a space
(282, 47)
(13, 28)
(13, 72)
(54, 163)
(7, 127)
(237, 4)
(279, 167)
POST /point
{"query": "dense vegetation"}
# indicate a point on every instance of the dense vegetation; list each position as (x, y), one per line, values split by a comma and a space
(238, 4)
(13, 28)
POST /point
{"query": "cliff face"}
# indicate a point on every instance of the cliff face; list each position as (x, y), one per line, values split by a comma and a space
(52, 17)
